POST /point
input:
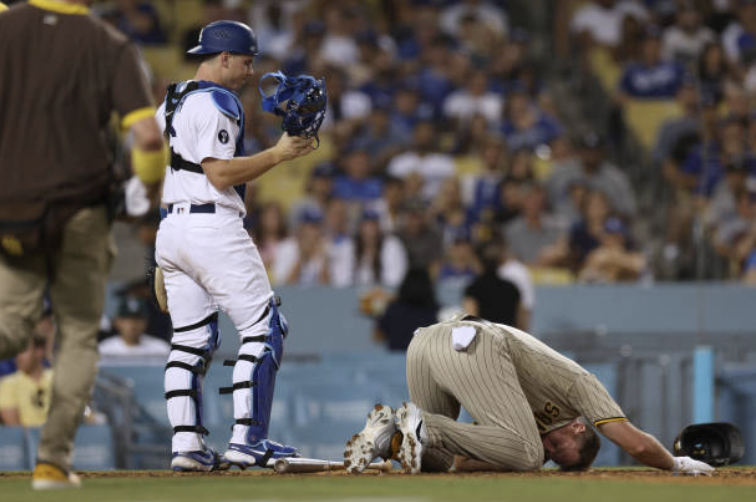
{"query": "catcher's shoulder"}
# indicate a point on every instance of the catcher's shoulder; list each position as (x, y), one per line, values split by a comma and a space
(227, 103)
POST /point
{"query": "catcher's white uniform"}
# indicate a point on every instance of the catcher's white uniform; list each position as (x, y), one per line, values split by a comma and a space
(210, 263)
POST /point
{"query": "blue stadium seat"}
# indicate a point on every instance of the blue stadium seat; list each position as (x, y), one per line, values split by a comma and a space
(93, 447)
(328, 411)
(13, 451)
(147, 383)
(607, 375)
(93, 450)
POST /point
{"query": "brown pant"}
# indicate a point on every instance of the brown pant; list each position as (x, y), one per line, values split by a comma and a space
(75, 275)
(484, 381)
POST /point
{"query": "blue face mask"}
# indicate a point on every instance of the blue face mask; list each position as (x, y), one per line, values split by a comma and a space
(301, 101)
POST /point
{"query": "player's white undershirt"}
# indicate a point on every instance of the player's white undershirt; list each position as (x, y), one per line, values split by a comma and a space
(199, 127)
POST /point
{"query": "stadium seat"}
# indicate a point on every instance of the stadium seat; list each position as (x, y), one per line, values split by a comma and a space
(468, 165)
(645, 118)
(607, 375)
(93, 447)
(286, 184)
(93, 450)
(164, 61)
(551, 275)
(604, 67)
(13, 451)
(147, 384)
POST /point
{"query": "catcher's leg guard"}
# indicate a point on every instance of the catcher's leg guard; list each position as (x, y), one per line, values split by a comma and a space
(192, 350)
(254, 381)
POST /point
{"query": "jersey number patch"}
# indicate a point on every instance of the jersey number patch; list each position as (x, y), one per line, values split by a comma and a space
(223, 136)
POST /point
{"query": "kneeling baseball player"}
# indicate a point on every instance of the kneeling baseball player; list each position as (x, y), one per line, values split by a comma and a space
(208, 259)
(530, 404)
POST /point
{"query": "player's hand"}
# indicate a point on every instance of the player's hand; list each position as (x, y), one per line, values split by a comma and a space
(687, 465)
(291, 147)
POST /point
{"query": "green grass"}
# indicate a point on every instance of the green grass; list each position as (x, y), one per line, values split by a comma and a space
(373, 488)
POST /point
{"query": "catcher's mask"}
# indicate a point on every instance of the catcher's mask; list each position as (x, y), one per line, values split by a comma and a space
(718, 443)
(301, 101)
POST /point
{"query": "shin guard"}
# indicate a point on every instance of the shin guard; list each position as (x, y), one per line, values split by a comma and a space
(254, 378)
(192, 350)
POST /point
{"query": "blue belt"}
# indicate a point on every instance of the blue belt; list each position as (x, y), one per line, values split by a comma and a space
(208, 208)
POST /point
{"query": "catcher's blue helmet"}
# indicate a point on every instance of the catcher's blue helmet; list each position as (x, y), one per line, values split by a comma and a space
(221, 36)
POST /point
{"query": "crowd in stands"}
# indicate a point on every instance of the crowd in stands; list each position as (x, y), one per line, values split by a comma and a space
(26, 380)
(444, 158)
(682, 73)
(442, 140)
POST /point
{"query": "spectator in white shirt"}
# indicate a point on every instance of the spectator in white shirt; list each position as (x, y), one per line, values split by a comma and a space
(685, 40)
(131, 340)
(600, 22)
(475, 98)
(424, 159)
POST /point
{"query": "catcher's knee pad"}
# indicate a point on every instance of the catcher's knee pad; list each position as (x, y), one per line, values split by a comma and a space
(254, 378)
(191, 353)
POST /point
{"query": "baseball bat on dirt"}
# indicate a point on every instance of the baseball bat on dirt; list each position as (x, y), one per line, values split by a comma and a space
(305, 465)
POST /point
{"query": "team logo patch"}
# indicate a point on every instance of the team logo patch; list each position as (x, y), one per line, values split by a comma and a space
(223, 136)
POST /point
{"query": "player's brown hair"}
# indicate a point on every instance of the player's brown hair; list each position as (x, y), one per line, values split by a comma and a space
(590, 444)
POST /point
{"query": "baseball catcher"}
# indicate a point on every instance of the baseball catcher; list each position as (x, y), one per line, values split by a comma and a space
(208, 259)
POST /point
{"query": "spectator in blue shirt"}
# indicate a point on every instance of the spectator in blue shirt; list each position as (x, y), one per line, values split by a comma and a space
(409, 109)
(651, 77)
(357, 184)
(433, 79)
(525, 125)
(308, 48)
(378, 138)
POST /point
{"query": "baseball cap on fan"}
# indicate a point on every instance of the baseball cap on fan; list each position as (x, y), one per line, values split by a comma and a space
(132, 306)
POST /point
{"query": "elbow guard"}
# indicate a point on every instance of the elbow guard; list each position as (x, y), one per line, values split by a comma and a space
(149, 166)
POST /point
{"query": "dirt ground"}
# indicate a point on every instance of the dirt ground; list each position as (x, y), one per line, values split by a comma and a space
(743, 476)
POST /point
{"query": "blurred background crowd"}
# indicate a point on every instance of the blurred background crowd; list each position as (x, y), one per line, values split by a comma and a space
(496, 144)
(480, 147)
(611, 140)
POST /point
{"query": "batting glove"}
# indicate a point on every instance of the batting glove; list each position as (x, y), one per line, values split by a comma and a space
(687, 465)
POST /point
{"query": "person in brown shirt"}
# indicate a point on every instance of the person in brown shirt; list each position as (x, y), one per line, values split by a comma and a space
(530, 404)
(63, 74)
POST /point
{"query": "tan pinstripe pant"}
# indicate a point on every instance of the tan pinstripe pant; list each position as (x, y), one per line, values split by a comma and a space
(77, 291)
(483, 379)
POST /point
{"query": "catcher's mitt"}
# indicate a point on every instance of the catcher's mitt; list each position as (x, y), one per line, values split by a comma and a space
(157, 287)
(718, 443)
(301, 101)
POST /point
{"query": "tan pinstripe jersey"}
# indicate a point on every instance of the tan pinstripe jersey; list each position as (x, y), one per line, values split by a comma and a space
(557, 388)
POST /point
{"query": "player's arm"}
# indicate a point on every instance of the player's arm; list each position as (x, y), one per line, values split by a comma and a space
(9, 417)
(227, 173)
(641, 446)
(148, 157)
(644, 448)
(132, 100)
